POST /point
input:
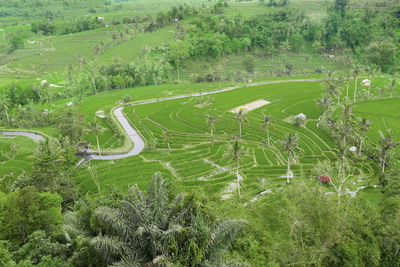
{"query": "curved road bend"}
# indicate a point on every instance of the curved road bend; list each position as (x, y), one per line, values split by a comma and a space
(133, 135)
(35, 137)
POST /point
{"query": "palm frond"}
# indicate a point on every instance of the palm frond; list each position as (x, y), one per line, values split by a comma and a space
(223, 235)
(157, 198)
(131, 261)
(114, 220)
(109, 247)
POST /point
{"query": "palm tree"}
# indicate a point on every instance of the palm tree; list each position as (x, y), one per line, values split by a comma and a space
(347, 112)
(364, 127)
(386, 146)
(340, 84)
(236, 152)
(266, 123)
(151, 230)
(391, 86)
(371, 74)
(290, 145)
(341, 152)
(5, 105)
(324, 102)
(329, 76)
(96, 129)
(344, 131)
(356, 71)
(348, 76)
(211, 120)
(167, 137)
(332, 85)
(241, 118)
(331, 122)
(332, 90)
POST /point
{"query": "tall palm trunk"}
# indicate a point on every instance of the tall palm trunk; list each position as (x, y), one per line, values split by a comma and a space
(361, 142)
(288, 170)
(383, 164)
(269, 144)
(355, 89)
(237, 178)
(348, 84)
(369, 89)
(211, 131)
(177, 67)
(240, 130)
(98, 145)
(8, 117)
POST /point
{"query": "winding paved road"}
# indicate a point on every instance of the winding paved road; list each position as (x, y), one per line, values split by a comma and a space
(34, 136)
(133, 135)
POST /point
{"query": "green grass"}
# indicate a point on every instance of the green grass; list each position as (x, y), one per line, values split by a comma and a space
(383, 113)
(132, 49)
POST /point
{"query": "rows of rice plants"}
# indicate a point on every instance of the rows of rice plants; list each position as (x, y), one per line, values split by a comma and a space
(179, 140)
(16, 157)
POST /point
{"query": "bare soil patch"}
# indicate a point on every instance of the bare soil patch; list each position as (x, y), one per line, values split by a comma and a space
(251, 106)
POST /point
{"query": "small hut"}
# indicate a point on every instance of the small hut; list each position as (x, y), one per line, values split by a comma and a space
(323, 179)
(83, 147)
(366, 82)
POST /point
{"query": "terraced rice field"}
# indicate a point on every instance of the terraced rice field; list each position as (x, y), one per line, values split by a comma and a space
(16, 157)
(195, 161)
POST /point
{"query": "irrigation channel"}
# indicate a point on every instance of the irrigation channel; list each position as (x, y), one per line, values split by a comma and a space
(134, 136)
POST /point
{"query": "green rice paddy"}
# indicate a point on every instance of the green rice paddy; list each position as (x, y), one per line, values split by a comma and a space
(198, 162)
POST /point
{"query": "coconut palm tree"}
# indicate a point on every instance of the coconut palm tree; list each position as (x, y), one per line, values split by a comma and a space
(5, 104)
(344, 131)
(329, 76)
(167, 137)
(363, 128)
(236, 152)
(341, 152)
(347, 112)
(151, 230)
(96, 129)
(332, 90)
(290, 145)
(211, 120)
(325, 102)
(241, 118)
(266, 123)
(371, 73)
(348, 76)
(340, 84)
(391, 85)
(356, 71)
(331, 122)
(386, 146)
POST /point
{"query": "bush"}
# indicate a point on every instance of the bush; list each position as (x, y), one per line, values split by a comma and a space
(43, 27)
